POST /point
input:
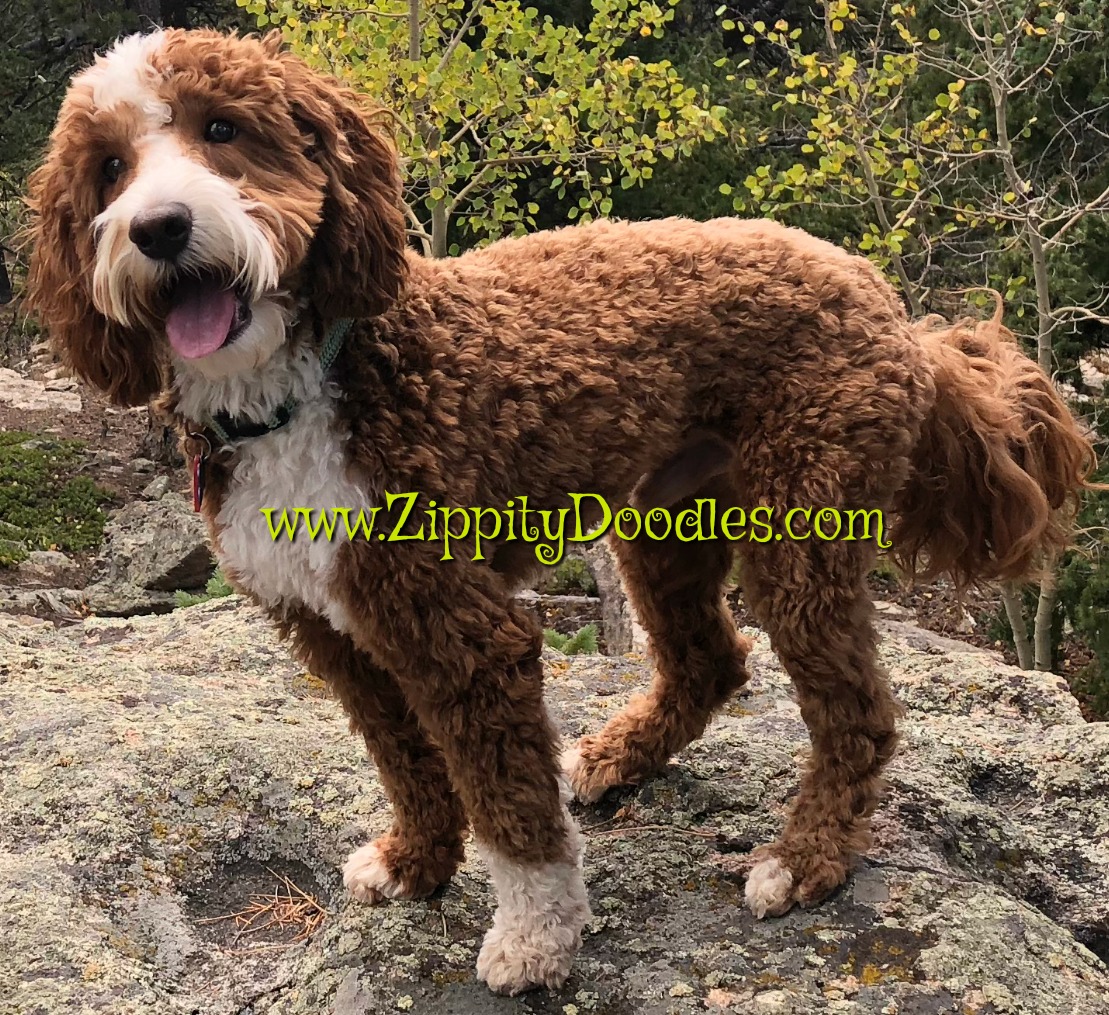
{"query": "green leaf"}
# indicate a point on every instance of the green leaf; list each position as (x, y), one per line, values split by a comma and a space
(554, 639)
(559, 95)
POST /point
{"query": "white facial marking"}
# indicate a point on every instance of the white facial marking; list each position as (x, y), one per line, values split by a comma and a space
(230, 371)
(125, 74)
(230, 234)
(224, 233)
(205, 389)
(541, 911)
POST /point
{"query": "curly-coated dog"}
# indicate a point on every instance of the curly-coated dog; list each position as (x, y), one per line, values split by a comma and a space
(217, 224)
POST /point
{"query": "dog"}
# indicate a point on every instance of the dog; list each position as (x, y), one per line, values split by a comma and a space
(217, 226)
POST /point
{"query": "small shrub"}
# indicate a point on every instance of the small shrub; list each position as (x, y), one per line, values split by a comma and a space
(572, 577)
(583, 643)
(885, 569)
(1092, 685)
(216, 588)
(11, 553)
(1084, 573)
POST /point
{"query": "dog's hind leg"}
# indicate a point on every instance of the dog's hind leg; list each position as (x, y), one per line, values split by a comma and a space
(424, 847)
(812, 600)
(677, 590)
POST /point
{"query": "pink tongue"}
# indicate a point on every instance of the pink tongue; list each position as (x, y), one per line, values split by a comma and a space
(200, 319)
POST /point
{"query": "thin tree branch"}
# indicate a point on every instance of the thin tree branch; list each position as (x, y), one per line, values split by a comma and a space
(459, 35)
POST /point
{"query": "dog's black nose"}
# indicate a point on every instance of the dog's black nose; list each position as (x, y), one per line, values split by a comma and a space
(162, 233)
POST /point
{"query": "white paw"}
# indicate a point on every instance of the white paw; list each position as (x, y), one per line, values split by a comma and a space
(367, 876)
(512, 960)
(573, 769)
(537, 927)
(769, 889)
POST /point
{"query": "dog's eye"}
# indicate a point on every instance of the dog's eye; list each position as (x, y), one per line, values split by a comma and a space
(112, 169)
(220, 131)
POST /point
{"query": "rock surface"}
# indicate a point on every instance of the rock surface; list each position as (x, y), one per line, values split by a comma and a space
(564, 614)
(35, 396)
(157, 772)
(46, 566)
(156, 489)
(151, 549)
(56, 604)
(623, 632)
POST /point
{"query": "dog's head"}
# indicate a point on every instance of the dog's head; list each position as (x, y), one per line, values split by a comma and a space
(196, 184)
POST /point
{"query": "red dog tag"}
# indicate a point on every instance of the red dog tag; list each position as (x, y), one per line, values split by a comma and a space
(198, 482)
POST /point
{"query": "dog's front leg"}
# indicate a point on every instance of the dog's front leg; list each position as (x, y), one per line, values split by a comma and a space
(468, 661)
(424, 847)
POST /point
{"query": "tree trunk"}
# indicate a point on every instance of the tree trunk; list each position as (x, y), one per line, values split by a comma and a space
(431, 140)
(1045, 607)
(1014, 610)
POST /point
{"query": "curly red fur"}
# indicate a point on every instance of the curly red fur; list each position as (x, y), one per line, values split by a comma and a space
(1000, 463)
(358, 263)
(324, 170)
(117, 360)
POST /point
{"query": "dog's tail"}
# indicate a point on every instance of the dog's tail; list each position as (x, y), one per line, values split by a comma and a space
(1000, 464)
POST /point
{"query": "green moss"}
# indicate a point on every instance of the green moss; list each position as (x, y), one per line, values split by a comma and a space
(42, 504)
(886, 569)
(11, 552)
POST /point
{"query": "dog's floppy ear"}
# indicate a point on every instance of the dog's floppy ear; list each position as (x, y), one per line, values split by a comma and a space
(357, 258)
(120, 361)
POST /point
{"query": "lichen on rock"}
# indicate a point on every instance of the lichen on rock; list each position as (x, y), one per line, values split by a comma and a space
(158, 773)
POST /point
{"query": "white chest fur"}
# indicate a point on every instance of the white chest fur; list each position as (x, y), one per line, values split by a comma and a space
(299, 466)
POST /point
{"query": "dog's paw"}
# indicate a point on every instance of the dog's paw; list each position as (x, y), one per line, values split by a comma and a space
(537, 927)
(370, 877)
(769, 890)
(589, 778)
(775, 884)
(520, 956)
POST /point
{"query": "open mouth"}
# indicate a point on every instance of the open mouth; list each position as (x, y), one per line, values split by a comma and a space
(205, 314)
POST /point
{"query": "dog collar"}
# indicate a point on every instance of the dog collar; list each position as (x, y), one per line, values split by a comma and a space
(228, 429)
